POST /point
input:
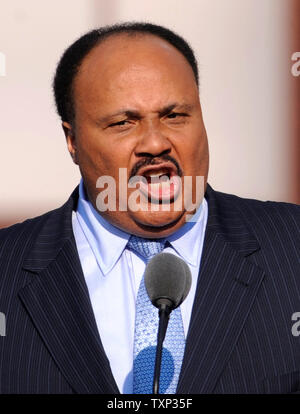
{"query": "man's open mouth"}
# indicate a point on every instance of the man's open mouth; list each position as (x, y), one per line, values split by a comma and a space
(160, 183)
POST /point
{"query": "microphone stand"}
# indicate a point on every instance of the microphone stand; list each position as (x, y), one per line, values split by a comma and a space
(164, 313)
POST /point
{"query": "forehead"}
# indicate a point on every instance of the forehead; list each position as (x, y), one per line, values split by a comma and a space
(133, 67)
(133, 45)
(120, 51)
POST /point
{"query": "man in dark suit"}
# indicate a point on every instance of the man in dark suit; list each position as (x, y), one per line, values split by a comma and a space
(128, 99)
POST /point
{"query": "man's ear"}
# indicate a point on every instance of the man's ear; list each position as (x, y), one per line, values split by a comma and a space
(71, 140)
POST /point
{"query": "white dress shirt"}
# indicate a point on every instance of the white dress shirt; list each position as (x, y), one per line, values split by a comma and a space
(113, 274)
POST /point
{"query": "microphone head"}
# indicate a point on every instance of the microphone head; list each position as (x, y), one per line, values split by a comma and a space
(167, 278)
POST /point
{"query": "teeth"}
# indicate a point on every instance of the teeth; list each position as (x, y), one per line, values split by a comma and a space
(158, 181)
(157, 174)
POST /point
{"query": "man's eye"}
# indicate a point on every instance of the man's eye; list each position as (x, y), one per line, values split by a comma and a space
(176, 115)
(120, 123)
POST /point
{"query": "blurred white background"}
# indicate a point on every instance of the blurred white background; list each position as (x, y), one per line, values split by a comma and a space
(241, 49)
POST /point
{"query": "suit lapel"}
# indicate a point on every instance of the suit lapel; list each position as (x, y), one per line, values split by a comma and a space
(58, 303)
(227, 286)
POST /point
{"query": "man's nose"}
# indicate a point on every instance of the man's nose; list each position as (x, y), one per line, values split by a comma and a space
(152, 141)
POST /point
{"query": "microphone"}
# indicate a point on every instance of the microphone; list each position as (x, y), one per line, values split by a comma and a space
(168, 281)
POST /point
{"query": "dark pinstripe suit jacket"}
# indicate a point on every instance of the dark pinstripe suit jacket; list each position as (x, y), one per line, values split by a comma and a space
(240, 338)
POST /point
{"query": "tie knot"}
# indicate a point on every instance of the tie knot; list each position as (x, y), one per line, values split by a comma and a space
(147, 248)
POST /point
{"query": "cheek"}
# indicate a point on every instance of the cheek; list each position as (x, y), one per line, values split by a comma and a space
(90, 160)
(193, 152)
(95, 155)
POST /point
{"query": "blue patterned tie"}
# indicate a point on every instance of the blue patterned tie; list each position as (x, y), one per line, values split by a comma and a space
(145, 337)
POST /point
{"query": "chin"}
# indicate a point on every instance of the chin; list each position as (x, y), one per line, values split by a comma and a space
(164, 222)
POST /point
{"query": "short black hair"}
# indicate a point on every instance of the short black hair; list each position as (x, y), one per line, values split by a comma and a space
(73, 56)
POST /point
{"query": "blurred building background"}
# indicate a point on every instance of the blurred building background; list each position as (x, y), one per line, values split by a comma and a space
(250, 98)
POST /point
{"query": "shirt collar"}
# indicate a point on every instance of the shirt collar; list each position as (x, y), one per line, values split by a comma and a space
(188, 240)
(108, 242)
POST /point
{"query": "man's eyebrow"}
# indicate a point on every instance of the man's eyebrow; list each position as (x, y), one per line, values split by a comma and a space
(131, 113)
(179, 107)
